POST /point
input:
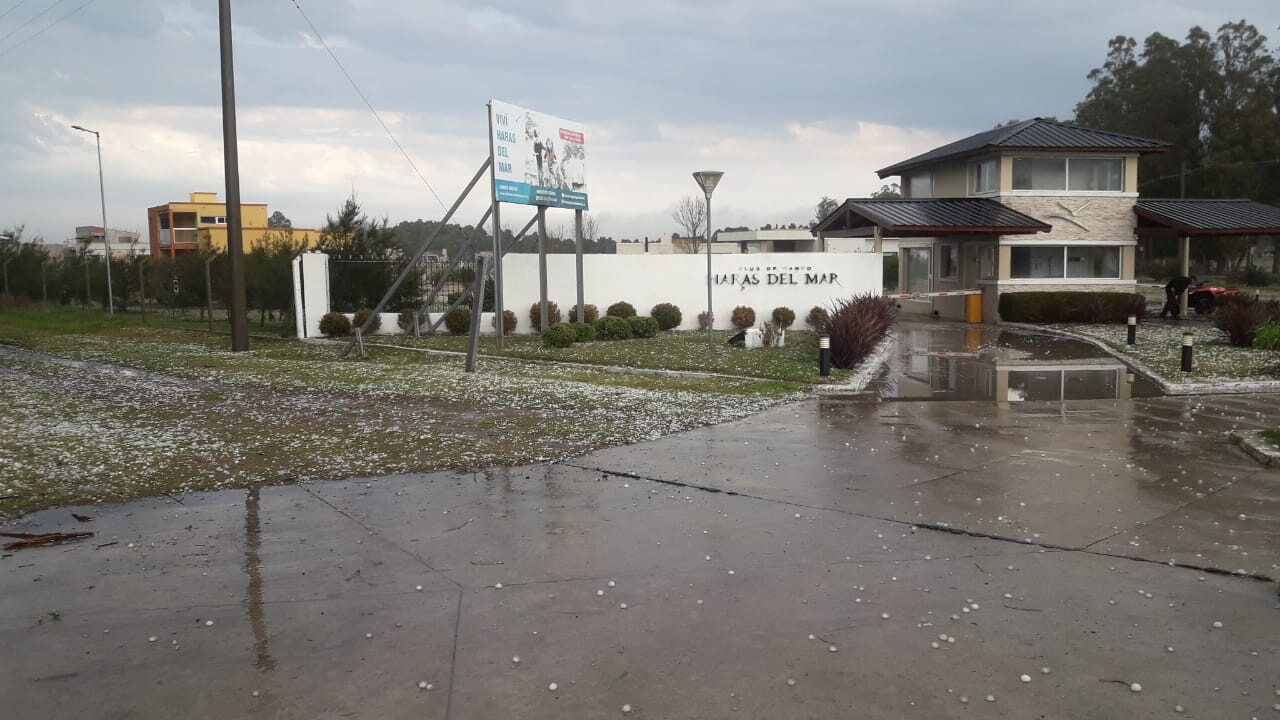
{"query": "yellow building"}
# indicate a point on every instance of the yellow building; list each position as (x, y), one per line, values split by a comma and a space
(183, 227)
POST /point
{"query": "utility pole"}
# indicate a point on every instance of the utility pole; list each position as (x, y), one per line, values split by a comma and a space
(102, 195)
(231, 167)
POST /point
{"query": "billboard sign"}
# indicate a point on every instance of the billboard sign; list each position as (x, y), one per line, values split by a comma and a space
(538, 159)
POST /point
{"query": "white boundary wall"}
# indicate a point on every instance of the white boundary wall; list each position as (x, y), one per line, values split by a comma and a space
(762, 281)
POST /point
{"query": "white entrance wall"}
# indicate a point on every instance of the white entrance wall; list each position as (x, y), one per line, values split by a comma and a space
(761, 281)
(310, 292)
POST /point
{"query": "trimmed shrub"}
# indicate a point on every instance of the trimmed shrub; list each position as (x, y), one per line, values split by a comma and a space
(586, 331)
(335, 325)
(743, 317)
(703, 322)
(1267, 337)
(856, 326)
(508, 322)
(458, 322)
(1071, 307)
(405, 319)
(535, 315)
(560, 335)
(611, 327)
(783, 317)
(817, 318)
(364, 314)
(644, 327)
(667, 315)
(589, 313)
(1241, 318)
(622, 309)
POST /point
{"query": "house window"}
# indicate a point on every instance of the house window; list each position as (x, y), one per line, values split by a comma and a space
(920, 186)
(206, 219)
(1074, 174)
(1093, 262)
(988, 257)
(1039, 173)
(917, 270)
(1064, 261)
(221, 219)
(948, 263)
(1095, 174)
(982, 177)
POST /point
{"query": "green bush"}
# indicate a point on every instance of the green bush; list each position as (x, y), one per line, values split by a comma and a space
(586, 331)
(611, 327)
(335, 325)
(508, 322)
(1071, 307)
(363, 314)
(667, 315)
(644, 327)
(743, 317)
(784, 317)
(1267, 337)
(405, 319)
(535, 315)
(458, 322)
(1241, 318)
(621, 309)
(817, 318)
(560, 335)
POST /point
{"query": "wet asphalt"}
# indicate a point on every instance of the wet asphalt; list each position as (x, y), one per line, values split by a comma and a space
(993, 530)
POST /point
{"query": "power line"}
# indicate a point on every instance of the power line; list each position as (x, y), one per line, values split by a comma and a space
(30, 20)
(15, 7)
(368, 104)
(42, 30)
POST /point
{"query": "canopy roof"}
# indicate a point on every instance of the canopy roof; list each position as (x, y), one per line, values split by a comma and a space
(1035, 134)
(1195, 218)
(927, 218)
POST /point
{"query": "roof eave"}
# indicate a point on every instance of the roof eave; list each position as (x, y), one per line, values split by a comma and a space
(908, 166)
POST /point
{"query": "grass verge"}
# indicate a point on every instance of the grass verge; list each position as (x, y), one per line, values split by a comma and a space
(102, 409)
(1159, 347)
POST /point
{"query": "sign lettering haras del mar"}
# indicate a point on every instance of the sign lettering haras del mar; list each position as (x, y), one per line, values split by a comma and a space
(538, 159)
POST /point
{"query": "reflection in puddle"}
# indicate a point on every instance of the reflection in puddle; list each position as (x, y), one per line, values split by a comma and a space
(951, 362)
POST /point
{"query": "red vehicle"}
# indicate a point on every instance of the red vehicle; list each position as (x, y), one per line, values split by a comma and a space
(1203, 298)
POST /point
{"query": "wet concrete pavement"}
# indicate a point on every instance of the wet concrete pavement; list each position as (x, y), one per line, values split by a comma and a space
(832, 543)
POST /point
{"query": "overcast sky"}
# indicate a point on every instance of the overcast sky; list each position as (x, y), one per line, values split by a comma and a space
(793, 100)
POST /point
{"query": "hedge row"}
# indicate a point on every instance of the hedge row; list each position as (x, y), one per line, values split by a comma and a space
(1071, 307)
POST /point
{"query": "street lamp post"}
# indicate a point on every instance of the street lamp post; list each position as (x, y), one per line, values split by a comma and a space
(102, 195)
(707, 180)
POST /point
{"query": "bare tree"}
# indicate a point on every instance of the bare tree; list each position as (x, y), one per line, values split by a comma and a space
(590, 230)
(690, 214)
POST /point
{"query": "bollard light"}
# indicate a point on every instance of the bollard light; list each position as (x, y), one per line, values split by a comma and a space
(824, 355)
(1133, 330)
(1188, 346)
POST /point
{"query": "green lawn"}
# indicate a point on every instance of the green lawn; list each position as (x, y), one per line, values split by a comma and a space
(683, 351)
(1160, 349)
(106, 409)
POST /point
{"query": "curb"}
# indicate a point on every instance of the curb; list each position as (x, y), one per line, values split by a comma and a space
(867, 370)
(1229, 387)
(1253, 444)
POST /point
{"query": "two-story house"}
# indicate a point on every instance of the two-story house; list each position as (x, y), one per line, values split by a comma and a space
(1037, 205)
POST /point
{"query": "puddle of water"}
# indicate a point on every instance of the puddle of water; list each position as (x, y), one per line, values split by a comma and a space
(959, 362)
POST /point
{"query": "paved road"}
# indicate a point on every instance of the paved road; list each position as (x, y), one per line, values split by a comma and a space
(832, 543)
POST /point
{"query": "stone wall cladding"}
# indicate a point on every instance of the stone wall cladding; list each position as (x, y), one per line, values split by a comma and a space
(1107, 218)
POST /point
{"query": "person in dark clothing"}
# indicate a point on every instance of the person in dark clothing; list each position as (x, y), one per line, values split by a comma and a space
(1172, 292)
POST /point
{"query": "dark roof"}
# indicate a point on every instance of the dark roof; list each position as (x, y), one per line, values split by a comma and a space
(933, 216)
(1209, 217)
(1035, 134)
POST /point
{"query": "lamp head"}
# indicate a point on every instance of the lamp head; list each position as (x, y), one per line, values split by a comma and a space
(707, 180)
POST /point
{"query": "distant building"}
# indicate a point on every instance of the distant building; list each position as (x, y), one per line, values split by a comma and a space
(122, 242)
(674, 245)
(183, 227)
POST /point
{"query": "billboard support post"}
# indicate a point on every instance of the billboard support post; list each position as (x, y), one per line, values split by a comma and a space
(577, 233)
(498, 307)
(542, 267)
